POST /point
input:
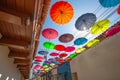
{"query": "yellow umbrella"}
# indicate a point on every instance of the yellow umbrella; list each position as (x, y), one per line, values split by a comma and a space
(93, 43)
(100, 26)
(80, 50)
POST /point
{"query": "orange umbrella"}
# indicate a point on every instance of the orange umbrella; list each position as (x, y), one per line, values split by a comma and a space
(61, 12)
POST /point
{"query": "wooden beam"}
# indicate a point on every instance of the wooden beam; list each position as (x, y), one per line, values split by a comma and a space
(18, 66)
(14, 17)
(18, 55)
(14, 43)
(22, 62)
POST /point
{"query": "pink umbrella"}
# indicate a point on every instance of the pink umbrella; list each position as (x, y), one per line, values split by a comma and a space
(49, 33)
(54, 54)
(112, 31)
(69, 48)
(39, 57)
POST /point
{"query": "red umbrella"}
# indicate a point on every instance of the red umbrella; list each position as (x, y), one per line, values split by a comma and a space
(118, 10)
(38, 60)
(62, 55)
(50, 33)
(60, 60)
(69, 48)
(112, 31)
(60, 47)
(61, 12)
(39, 57)
(54, 54)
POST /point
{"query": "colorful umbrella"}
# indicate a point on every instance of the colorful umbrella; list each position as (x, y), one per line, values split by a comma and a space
(54, 54)
(62, 55)
(68, 59)
(38, 60)
(112, 31)
(80, 41)
(51, 60)
(80, 50)
(37, 67)
(49, 45)
(42, 52)
(66, 38)
(61, 12)
(60, 60)
(49, 33)
(85, 21)
(109, 3)
(100, 26)
(60, 47)
(69, 49)
(93, 43)
(39, 57)
(72, 55)
(118, 10)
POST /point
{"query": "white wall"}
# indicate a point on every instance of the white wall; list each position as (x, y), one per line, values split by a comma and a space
(7, 68)
(99, 63)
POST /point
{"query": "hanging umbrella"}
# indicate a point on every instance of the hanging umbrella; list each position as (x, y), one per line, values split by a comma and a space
(38, 60)
(60, 60)
(93, 43)
(49, 45)
(85, 21)
(118, 10)
(69, 49)
(62, 55)
(66, 38)
(80, 50)
(61, 12)
(60, 47)
(112, 31)
(51, 60)
(72, 55)
(80, 41)
(109, 3)
(100, 26)
(54, 54)
(49, 33)
(39, 57)
(42, 52)
(68, 59)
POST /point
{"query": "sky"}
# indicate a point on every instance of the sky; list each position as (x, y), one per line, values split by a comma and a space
(80, 7)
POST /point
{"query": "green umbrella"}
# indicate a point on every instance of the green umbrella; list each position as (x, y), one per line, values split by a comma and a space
(72, 55)
(49, 45)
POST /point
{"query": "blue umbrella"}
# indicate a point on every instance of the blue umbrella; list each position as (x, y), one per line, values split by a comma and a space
(109, 3)
(42, 52)
(85, 21)
(80, 41)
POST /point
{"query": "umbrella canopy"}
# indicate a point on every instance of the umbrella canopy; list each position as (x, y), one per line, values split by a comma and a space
(72, 55)
(80, 41)
(62, 55)
(37, 67)
(109, 3)
(118, 10)
(54, 54)
(69, 49)
(60, 60)
(51, 60)
(66, 38)
(85, 21)
(39, 57)
(38, 60)
(60, 47)
(61, 12)
(49, 33)
(80, 50)
(42, 52)
(112, 31)
(49, 45)
(93, 43)
(100, 26)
